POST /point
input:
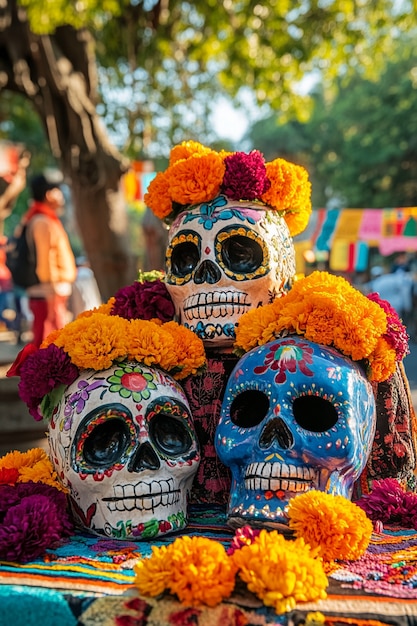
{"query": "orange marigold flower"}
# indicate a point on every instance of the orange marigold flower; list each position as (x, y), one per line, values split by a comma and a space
(189, 348)
(153, 574)
(51, 338)
(196, 569)
(33, 465)
(297, 222)
(96, 341)
(290, 191)
(158, 197)
(201, 571)
(196, 179)
(105, 309)
(18, 460)
(187, 149)
(334, 524)
(281, 572)
(325, 309)
(252, 324)
(151, 344)
(382, 362)
(318, 326)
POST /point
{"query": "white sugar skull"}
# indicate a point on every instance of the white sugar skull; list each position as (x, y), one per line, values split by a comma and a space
(296, 416)
(223, 258)
(123, 442)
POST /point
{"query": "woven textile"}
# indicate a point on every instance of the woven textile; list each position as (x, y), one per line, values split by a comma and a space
(89, 581)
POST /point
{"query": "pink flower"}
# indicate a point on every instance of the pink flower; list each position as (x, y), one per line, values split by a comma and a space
(388, 503)
(396, 335)
(244, 536)
(245, 176)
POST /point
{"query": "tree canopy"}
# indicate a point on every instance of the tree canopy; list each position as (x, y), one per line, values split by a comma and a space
(162, 64)
(361, 146)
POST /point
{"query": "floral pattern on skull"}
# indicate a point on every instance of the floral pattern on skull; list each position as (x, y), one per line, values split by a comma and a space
(123, 442)
(296, 416)
(223, 258)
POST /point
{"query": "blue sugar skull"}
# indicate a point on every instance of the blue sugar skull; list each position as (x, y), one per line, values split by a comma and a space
(296, 416)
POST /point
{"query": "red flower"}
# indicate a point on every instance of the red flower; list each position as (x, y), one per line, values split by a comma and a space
(8, 476)
(14, 369)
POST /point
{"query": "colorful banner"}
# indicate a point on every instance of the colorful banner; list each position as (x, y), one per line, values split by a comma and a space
(136, 181)
(347, 234)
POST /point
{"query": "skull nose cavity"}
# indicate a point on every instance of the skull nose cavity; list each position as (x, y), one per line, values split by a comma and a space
(144, 459)
(276, 431)
(207, 272)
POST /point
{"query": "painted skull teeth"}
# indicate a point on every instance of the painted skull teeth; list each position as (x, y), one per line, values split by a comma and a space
(279, 476)
(143, 496)
(292, 425)
(225, 257)
(127, 450)
(143, 489)
(215, 304)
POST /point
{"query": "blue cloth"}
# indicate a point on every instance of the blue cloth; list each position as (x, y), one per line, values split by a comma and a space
(32, 606)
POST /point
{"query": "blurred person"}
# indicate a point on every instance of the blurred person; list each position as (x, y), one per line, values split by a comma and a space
(401, 263)
(85, 292)
(6, 288)
(55, 261)
(395, 287)
(156, 241)
(12, 183)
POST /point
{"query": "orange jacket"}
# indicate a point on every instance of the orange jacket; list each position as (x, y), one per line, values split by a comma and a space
(55, 262)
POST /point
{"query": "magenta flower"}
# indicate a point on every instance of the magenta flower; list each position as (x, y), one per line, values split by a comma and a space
(245, 176)
(244, 536)
(41, 372)
(388, 503)
(396, 335)
(144, 300)
(32, 519)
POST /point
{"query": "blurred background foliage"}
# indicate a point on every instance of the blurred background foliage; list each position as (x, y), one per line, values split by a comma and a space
(330, 84)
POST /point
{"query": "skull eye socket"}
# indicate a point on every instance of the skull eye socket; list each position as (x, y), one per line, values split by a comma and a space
(314, 413)
(249, 408)
(184, 258)
(106, 443)
(170, 436)
(241, 254)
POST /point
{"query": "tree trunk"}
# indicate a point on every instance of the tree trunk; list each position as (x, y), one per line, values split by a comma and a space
(58, 74)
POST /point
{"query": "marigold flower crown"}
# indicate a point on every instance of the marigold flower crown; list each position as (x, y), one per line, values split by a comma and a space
(130, 326)
(326, 309)
(197, 174)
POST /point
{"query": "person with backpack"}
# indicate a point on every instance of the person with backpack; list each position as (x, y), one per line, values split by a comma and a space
(55, 262)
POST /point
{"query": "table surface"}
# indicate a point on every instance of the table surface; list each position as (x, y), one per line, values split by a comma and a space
(89, 581)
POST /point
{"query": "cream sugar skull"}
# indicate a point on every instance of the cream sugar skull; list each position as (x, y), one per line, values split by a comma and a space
(296, 416)
(223, 258)
(122, 440)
